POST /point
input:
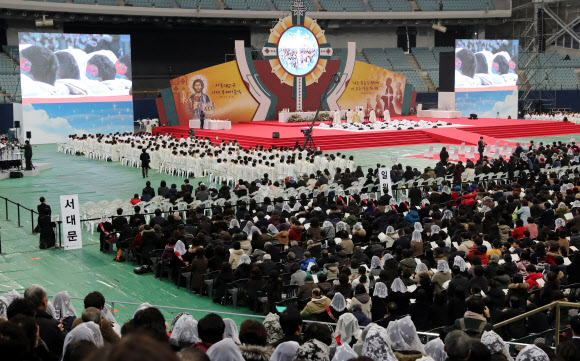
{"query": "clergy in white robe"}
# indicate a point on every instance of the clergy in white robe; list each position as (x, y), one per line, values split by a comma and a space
(361, 116)
(336, 119)
(387, 116)
(372, 116)
(349, 116)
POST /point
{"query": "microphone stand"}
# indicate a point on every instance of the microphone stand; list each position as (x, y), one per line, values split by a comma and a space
(308, 141)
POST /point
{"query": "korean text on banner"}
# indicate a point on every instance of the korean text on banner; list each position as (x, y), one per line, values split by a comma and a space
(71, 221)
(385, 179)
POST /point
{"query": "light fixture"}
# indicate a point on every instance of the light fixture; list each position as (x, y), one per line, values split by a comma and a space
(439, 27)
(44, 22)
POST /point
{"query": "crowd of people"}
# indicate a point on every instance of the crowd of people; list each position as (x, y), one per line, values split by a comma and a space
(200, 157)
(34, 328)
(462, 255)
(557, 116)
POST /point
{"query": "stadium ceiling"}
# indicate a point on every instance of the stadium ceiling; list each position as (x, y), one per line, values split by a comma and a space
(18, 6)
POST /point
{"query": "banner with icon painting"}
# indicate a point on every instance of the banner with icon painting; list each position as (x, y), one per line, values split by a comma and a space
(219, 92)
(373, 87)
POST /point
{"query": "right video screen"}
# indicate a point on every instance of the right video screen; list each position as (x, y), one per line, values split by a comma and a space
(486, 65)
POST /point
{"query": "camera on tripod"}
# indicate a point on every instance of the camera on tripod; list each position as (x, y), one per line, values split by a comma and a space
(306, 132)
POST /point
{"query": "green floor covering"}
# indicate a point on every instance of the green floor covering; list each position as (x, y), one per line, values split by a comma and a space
(85, 270)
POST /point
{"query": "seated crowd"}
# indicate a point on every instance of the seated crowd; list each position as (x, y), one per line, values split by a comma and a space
(36, 329)
(199, 157)
(557, 116)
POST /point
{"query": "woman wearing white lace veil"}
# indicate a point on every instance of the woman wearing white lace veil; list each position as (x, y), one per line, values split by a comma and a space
(6, 301)
(234, 224)
(442, 275)
(416, 243)
(185, 331)
(418, 227)
(231, 330)
(250, 229)
(272, 230)
(495, 344)
(447, 214)
(286, 208)
(143, 306)
(403, 336)
(460, 262)
(62, 303)
(421, 267)
(386, 257)
(358, 346)
(273, 328)
(398, 286)
(375, 267)
(338, 302)
(328, 230)
(532, 353)
(285, 351)
(50, 309)
(346, 329)
(344, 353)
(435, 229)
(175, 319)
(226, 349)
(376, 345)
(436, 349)
(560, 223)
(86, 331)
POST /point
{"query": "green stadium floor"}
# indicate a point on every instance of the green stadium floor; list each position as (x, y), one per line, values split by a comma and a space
(85, 270)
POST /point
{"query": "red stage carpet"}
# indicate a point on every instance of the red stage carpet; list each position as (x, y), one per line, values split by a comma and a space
(250, 134)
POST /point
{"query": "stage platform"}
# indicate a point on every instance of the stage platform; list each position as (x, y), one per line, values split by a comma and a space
(250, 134)
(39, 167)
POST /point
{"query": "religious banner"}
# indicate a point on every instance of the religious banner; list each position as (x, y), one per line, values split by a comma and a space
(385, 181)
(71, 221)
(373, 87)
(218, 91)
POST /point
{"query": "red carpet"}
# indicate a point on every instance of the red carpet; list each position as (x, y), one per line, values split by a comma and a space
(250, 134)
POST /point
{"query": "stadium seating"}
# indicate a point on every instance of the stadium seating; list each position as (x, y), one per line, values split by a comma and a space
(426, 59)
(98, 2)
(414, 78)
(150, 3)
(203, 4)
(284, 5)
(399, 59)
(246, 4)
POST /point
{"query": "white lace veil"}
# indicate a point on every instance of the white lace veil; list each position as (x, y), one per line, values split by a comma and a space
(375, 262)
(347, 328)
(226, 349)
(180, 248)
(460, 262)
(560, 223)
(376, 345)
(231, 330)
(442, 266)
(86, 331)
(344, 353)
(390, 230)
(338, 302)
(142, 307)
(436, 349)
(385, 258)
(418, 227)
(416, 236)
(381, 290)
(62, 302)
(50, 309)
(532, 353)
(447, 214)
(272, 229)
(6, 301)
(285, 351)
(403, 335)
(185, 330)
(245, 259)
(435, 229)
(398, 286)
(421, 267)
(495, 344)
(234, 223)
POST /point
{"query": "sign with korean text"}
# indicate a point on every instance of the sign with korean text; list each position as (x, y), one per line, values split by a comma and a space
(385, 181)
(71, 221)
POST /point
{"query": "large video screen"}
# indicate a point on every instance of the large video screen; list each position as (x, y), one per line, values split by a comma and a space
(298, 51)
(69, 68)
(486, 65)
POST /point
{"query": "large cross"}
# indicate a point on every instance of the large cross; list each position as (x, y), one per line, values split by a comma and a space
(298, 9)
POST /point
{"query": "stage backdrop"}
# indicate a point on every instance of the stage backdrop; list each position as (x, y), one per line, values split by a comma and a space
(222, 94)
(486, 77)
(219, 91)
(375, 88)
(75, 84)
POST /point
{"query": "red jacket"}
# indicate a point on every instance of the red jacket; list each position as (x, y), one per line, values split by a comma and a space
(518, 233)
(468, 199)
(531, 280)
(480, 253)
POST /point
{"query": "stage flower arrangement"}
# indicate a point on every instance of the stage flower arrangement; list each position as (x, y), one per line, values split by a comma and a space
(323, 117)
(296, 118)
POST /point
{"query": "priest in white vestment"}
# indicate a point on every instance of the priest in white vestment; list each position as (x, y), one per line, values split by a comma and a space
(336, 119)
(349, 116)
(372, 116)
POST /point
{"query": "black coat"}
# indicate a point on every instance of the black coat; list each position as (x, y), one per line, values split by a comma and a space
(145, 159)
(49, 332)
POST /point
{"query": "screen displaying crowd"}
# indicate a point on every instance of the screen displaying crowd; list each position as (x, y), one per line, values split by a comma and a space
(486, 64)
(298, 51)
(75, 66)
